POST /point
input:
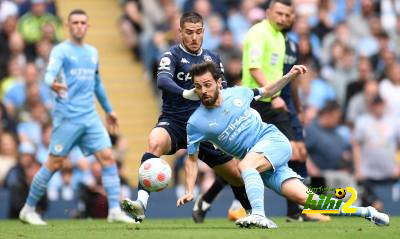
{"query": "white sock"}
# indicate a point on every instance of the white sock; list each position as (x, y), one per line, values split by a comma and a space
(205, 205)
(143, 196)
(114, 210)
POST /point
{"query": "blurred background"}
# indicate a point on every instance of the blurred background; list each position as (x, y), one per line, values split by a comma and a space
(351, 48)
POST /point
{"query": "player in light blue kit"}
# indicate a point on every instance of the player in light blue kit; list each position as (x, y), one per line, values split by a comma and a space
(226, 120)
(75, 119)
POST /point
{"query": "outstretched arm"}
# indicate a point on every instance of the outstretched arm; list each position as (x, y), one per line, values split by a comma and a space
(272, 88)
(191, 170)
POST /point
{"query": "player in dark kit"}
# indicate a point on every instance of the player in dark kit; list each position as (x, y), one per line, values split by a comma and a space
(179, 102)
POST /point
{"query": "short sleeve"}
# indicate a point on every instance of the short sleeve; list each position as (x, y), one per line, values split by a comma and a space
(256, 49)
(358, 132)
(55, 64)
(194, 137)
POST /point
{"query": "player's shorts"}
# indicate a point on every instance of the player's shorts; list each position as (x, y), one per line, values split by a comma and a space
(279, 118)
(278, 151)
(177, 131)
(89, 134)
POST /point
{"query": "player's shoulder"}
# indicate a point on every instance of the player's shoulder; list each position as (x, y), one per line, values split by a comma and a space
(90, 48)
(196, 116)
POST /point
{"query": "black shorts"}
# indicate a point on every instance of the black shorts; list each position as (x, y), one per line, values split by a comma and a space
(177, 131)
(279, 118)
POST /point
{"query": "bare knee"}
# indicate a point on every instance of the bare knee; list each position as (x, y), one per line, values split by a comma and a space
(159, 142)
(105, 157)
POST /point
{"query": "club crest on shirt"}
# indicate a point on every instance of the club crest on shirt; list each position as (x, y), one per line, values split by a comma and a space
(58, 148)
(238, 102)
(207, 58)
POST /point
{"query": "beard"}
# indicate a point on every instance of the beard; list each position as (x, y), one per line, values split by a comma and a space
(211, 101)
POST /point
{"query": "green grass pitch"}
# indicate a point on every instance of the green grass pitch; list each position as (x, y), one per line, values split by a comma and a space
(213, 228)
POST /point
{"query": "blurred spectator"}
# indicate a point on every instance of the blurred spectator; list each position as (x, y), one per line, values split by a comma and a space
(358, 22)
(314, 93)
(200, 6)
(131, 24)
(17, 95)
(358, 104)
(33, 24)
(61, 186)
(43, 49)
(16, 45)
(389, 89)
(329, 151)
(7, 9)
(340, 72)
(6, 30)
(239, 22)
(227, 48)
(309, 43)
(7, 123)
(20, 177)
(376, 140)
(213, 32)
(43, 148)
(8, 155)
(14, 74)
(233, 70)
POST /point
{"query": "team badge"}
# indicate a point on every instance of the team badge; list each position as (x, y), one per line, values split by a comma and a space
(207, 58)
(58, 148)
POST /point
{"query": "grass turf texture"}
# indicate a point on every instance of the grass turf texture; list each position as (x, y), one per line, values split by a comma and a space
(213, 228)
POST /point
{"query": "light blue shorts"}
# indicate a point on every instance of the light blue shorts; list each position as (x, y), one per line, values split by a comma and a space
(89, 134)
(277, 150)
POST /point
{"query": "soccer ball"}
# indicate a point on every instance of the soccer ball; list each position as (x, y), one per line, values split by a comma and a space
(154, 174)
(340, 193)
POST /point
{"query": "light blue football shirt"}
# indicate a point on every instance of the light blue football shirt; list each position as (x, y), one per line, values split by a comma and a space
(233, 127)
(77, 66)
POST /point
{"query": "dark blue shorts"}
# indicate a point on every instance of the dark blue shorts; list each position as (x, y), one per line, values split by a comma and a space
(177, 131)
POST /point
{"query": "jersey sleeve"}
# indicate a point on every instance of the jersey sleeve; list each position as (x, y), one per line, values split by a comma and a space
(358, 132)
(247, 93)
(194, 137)
(54, 66)
(165, 74)
(101, 93)
(256, 49)
(221, 70)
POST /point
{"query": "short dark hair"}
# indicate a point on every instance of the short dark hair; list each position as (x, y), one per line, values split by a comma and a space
(76, 12)
(284, 2)
(330, 106)
(192, 17)
(203, 68)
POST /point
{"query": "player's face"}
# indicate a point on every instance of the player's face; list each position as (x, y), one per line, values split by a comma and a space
(288, 22)
(279, 15)
(207, 88)
(192, 36)
(78, 25)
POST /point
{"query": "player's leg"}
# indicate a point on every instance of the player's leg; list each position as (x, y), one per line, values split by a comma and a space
(296, 191)
(272, 151)
(63, 137)
(96, 140)
(226, 168)
(166, 138)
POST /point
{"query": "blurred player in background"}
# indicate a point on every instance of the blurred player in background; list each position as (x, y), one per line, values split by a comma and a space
(179, 102)
(263, 150)
(75, 119)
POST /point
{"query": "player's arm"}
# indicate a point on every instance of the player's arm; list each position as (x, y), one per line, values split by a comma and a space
(101, 95)
(194, 137)
(165, 82)
(272, 88)
(191, 170)
(53, 69)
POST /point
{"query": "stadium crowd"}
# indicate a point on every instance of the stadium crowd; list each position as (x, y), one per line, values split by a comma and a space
(349, 96)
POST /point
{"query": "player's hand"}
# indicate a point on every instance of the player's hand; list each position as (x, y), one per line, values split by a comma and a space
(298, 69)
(59, 88)
(184, 199)
(112, 122)
(190, 95)
(278, 103)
